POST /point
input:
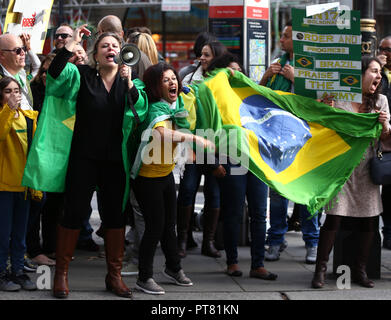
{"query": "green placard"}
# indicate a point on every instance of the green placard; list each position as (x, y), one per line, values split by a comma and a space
(327, 54)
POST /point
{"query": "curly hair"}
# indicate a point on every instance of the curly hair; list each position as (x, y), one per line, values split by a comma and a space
(153, 80)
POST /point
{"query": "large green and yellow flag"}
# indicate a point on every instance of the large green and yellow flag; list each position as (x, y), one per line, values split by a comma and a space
(47, 161)
(304, 149)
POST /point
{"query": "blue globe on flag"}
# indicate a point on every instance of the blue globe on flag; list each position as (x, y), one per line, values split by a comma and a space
(280, 134)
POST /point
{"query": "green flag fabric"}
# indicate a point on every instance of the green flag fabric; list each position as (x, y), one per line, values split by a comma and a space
(47, 161)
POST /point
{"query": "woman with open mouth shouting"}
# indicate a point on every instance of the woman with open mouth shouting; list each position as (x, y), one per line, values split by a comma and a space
(359, 198)
(154, 184)
(108, 104)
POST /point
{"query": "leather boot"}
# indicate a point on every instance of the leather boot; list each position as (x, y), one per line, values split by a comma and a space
(359, 274)
(114, 247)
(191, 243)
(65, 246)
(325, 244)
(211, 218)
(183, 222)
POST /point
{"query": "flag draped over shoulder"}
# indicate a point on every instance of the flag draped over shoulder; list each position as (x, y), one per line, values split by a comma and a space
(47, 160)
(304, 149)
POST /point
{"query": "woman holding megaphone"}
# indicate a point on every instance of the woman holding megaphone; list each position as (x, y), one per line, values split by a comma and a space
(107, 109)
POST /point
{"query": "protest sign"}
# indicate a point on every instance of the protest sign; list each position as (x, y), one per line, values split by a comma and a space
(31, 17)
(327, 54)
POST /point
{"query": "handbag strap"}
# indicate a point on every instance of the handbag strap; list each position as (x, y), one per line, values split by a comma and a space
(379, 151)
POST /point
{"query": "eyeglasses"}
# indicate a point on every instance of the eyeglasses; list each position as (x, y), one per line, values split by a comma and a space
(385, 49)
(62, 35)
(16, 50)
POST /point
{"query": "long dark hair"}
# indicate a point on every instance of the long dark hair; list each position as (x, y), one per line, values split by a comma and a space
(4, 82)
(217, 49)
(224, 61)
(49, 58)
(369, 100)
(202, 39)
(153, 80)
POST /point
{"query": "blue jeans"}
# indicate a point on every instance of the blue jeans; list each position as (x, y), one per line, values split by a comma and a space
(279, 224)
(233, 192)
(190, 182)
(13, 228)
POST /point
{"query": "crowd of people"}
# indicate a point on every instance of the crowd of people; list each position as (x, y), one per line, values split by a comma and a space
(115, 105)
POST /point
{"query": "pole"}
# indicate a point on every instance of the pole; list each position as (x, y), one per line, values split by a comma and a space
(60, 12)
(164, 34)
(368, 23)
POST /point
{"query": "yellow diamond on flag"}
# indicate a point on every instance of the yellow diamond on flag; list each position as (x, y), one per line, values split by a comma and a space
(350, 80)
(70, 122)
(304, 62)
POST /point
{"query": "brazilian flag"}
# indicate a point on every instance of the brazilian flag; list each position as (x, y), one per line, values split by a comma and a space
(47, 161)
(304, 149)
(48, 158)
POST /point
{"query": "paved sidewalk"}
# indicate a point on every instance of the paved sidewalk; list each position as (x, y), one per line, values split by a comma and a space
(87, 272)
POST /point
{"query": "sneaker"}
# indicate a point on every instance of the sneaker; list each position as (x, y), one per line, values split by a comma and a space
(178, 277)
(23, 280)
(310, 257)
(273, 253)
(130, 269)
(6, 284)
(29, 265)
(149, 286)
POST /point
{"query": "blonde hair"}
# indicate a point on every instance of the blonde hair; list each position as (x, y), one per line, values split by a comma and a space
(146, 44)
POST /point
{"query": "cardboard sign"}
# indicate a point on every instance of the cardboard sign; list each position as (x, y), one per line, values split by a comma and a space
(327, 54)
(31, 17)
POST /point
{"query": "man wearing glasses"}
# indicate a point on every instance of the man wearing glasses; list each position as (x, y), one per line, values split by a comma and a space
(384, 55)
(63, 34)
(12, 62)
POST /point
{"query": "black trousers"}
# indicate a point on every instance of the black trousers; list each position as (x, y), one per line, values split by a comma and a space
(157, 200)
(83, 177)
(33, 240)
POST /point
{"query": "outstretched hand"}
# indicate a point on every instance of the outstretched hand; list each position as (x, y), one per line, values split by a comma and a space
(77, 37)
(79, 32)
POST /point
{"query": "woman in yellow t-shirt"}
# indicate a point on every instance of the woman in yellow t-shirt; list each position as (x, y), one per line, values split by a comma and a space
(154, 186)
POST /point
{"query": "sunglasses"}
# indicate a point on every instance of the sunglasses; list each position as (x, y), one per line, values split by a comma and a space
(16, 50)
(385, 49)
(62, 35)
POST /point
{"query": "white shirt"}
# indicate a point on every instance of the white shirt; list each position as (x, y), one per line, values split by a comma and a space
(26, 103)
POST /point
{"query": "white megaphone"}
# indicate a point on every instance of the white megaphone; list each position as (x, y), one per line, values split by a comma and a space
(129, 55)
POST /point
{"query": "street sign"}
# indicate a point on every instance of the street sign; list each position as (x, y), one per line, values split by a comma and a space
(176, 5)
(327, 54)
